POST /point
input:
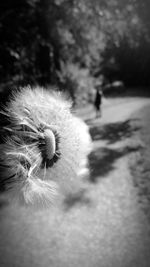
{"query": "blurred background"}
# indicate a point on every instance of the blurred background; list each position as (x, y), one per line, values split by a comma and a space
(80, 46)
(75, 45)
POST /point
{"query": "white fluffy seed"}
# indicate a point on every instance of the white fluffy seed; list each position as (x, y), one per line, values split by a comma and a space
(50, 143)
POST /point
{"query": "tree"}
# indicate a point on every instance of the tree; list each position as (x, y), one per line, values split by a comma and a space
(94, 36)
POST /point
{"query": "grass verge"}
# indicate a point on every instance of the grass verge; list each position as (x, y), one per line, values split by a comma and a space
(140, 161)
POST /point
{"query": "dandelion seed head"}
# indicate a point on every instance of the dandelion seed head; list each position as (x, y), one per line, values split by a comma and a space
(44, 146)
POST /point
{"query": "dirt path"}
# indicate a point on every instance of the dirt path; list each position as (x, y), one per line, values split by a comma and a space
(101, 225)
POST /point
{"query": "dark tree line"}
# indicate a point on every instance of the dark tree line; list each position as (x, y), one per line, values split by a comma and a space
(72, 43)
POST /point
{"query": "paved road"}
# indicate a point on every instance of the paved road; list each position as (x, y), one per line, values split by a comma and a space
(101, 225)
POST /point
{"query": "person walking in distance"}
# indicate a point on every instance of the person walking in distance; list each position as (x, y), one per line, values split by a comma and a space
(98, 102)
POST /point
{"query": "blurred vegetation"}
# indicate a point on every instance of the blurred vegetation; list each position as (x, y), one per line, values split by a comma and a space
(72, 43)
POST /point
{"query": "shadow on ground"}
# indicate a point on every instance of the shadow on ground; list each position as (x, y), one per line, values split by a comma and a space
(80, 198)
(3, 203)
(113, 132)
(102, 161)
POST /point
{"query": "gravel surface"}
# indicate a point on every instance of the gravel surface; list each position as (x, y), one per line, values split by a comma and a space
(140, 162)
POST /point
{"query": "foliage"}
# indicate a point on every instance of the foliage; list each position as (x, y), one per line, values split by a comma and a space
(70, 41)
(77, 81)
